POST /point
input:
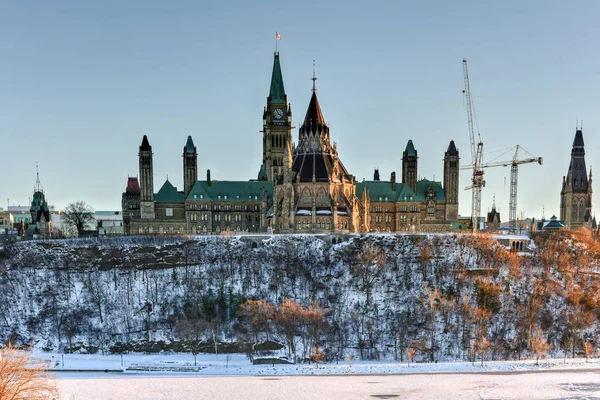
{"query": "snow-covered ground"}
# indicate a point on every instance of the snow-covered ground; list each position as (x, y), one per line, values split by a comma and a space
(529, 385)
(234, 377)
(238, 364)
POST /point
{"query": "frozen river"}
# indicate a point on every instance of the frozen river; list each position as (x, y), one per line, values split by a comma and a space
(493, 385)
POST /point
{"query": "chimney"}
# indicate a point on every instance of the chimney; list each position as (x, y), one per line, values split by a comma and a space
(393, 179)
(208, 181)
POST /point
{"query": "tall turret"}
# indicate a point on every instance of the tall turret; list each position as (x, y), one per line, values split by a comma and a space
(409, 166)
(146, 180)
(451, 163)
(576, 193)
(190, 166)
(277, 124)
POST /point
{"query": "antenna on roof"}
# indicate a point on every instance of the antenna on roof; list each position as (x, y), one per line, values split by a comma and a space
(314, 78)
(37, 181)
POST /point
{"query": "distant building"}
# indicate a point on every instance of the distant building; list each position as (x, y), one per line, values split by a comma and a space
(40, 225)
(106, 223)
(553, 225)
(7, 222)
(493, 219)
(576, 193)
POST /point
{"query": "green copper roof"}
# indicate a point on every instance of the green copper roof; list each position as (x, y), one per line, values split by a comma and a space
(38, 202)
(189, 146)
(230, 190)
(381, 191)
(457, 226)
(168, 194)
(277, 92)
(262, 174)
(410, 149)
(554, 224)
(423, 186)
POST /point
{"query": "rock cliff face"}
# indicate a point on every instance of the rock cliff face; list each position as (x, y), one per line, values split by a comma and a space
(444, 296)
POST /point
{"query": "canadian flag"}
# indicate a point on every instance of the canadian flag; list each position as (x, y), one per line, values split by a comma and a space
(278, 36)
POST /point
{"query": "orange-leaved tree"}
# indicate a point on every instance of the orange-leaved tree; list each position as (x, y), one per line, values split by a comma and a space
(23, 378)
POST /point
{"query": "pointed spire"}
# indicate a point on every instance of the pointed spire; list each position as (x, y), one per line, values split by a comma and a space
(577, 176)
(262, 173)
(38, 185)
(145, 144)
(314, 115)
(452, 151)
(578, 141)
(189, 146)
(410, 149)
(277, 92)
(314, 78)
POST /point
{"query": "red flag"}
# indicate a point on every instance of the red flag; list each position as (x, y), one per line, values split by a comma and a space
(277, 36)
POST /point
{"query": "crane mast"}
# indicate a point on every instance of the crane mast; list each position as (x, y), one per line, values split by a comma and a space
(477, 180)
(514, 175)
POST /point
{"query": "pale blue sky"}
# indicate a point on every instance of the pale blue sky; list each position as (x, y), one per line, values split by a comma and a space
(81, 82)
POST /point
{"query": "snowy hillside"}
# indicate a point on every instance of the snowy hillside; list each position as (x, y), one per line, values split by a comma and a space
(443, 297)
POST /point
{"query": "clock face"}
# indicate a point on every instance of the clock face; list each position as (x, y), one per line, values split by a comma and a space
(278, 113)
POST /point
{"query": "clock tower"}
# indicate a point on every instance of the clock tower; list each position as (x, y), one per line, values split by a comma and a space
(277, 126)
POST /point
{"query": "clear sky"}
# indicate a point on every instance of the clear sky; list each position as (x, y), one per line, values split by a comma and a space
(81, 82)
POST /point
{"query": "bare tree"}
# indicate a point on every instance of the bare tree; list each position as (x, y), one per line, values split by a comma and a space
(482, 346)
(22, 378)
(192, 331)
(77, 214)
(410, 355)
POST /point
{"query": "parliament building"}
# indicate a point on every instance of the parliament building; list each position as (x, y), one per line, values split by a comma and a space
(301, 187)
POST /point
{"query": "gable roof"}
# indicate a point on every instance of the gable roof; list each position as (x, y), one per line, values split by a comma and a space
(169, 194)
(381, 191)
(230, 190)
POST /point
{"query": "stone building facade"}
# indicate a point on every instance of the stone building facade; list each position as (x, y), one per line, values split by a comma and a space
(300, 188)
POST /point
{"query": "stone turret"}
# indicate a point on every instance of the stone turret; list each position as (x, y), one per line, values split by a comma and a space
(146, 180)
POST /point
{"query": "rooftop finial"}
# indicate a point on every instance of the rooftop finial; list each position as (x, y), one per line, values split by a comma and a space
(38, 185)
(314, 78)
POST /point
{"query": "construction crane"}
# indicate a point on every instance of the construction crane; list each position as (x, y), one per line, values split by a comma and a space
(514, 176)
(477, 181)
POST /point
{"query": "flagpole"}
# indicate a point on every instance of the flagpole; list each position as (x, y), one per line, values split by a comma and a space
(275, 41)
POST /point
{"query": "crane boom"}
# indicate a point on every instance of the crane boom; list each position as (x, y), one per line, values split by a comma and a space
(476, 153)
(514, 177)
(467, 93)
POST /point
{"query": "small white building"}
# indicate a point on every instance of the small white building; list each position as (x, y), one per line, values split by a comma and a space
(106, 223)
